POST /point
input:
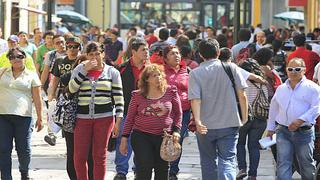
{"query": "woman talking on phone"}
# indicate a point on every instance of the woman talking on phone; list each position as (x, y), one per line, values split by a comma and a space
(100, 91)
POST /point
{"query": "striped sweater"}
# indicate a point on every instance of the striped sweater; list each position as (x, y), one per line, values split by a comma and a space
(97, 99)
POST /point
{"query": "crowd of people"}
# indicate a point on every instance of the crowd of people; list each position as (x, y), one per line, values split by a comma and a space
(131, 89)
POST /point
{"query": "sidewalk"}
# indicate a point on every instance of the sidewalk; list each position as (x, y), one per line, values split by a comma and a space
(48, 162)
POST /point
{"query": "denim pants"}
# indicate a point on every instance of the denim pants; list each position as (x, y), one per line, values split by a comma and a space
(253, 130)
(218, 153)
(299, 144)
(18, 128)
(174, 166)
(121, 161)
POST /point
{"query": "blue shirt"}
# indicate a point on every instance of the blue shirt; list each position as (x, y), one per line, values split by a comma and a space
(288, 105)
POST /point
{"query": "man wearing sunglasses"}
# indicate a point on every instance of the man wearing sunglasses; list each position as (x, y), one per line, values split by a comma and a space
(293, 112)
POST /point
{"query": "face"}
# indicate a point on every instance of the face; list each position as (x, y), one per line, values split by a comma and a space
(95, 56)
(59, 43)
(23, 37)
(209, 32)
(295, 71)
(155, 78)
(38, 34)
(142, 53)
(12, 44)
(73, 49)
(260, 38)
(173, 58)
(17, 59)
(49, 40)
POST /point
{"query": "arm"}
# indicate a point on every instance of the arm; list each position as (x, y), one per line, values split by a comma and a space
(243, 105)
(44, 74)
(196, 106)
(177, 112)
(117, 96)
(257, 79)
(53, 88)
(38, 105)
(273, 113)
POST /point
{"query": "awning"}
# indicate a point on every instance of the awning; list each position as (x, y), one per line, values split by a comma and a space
(298, 2)
(31, 9)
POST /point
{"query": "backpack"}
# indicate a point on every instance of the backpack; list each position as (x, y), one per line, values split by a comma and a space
(52, 60)
(245, 53)
(260, 104)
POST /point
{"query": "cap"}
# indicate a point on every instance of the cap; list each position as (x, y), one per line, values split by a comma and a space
(13, 38)
(73, 40)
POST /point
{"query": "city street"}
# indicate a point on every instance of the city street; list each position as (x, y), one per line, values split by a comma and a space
(48, 162)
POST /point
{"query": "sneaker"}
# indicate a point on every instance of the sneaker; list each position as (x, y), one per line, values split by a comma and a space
(173, 177)
(241, 174)
(252, 178)
(120, 176)
(50, 139)
(25, 176)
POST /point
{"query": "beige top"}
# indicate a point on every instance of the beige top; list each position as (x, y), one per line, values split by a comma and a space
(16, 94)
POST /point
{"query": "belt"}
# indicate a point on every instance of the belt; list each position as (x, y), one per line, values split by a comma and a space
(302, 128)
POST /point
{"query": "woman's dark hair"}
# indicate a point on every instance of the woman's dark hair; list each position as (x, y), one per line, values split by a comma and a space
(276, 46)
(12, 50)
(185, 51)
(270, 38)
(93, 46)
(252, 66)
(263, 55)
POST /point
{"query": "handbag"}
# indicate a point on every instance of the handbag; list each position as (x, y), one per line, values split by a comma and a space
(169, 150)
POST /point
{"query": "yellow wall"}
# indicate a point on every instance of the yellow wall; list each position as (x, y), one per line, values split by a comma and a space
(94, 12)
(311, 14)
(256, 12)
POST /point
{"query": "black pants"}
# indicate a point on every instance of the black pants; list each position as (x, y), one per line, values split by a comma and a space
(70, 163)
(146, 148)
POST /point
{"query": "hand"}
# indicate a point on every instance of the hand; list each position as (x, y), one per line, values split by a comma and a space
(116, 129)
(176, 137)
(295, 125)
(39, 125)
(124, 146)
(201, 129)
(89, 65)
(270, 134)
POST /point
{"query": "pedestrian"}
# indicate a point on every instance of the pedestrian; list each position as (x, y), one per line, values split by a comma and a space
(19, 88)
(293, 111)
(153, 108)
(28, 47)
(130, 74)
(215, 111)
(101, 84)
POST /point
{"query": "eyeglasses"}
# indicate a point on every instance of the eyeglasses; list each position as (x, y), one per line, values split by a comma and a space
(73, 46)
(295, 69)
(18, 57)
(59, 42)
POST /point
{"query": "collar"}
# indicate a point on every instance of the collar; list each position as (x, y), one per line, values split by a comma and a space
(132, 64)
(300, 48)
(209, 62)
(298, 84)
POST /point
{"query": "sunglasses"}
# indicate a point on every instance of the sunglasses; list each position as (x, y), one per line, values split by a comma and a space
(295, 69)
(73, 46)
(19, 57)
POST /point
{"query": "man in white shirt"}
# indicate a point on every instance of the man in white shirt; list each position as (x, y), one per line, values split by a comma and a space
(293, 112)
(3, 44)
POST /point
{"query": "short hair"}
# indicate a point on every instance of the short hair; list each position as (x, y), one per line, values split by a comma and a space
(93, 46)
(35, 29)
(164, 33)
(182, 40)
(299, 60)
(209, 48)
(21, 32)
(173, 32)
(192, 34)
(263, 55)
(316, 30)
(137, 43)
(299, 40)
(48, 33)
(133, 29)
(270, 38)
(57, 36)
(311, 36)
(222, 39)
(146, 73)
(244, 34)
(167, 49)
(185, 51)
(12, 50)
(225, 54)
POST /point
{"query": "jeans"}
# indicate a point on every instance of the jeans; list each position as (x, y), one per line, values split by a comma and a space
(146, 148)
(95, 134)
(253, 130)
(218, 153)
(174, 166)
(299, 144)
(121, 161)
(18, 128)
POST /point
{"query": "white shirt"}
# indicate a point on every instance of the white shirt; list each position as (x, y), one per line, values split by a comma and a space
(288, 105)
(171, 41)
(316, 74)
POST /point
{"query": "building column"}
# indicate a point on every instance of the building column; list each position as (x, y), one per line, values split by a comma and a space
(256, 12)
(7, 19)
(23, 16)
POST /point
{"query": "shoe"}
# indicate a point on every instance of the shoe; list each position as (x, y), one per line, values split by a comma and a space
(120, 176)
(50, 139)
(252, 178)
(25, 176)
(241, 174)
(173, 177)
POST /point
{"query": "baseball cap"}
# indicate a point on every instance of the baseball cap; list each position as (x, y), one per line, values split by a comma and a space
(13, 38)
(73, 40)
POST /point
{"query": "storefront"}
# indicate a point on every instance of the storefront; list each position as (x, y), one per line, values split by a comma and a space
(216, 13)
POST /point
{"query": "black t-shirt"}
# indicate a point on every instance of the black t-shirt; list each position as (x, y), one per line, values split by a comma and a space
(112, 50)
(61, 68)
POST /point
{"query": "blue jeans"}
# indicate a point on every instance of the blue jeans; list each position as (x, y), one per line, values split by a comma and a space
(218, 153)
(299, 144)
(122, 162)
(174, 166)
(18, 128)
(253, 130)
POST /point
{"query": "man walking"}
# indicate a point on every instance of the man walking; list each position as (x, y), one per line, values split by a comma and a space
(214, 107)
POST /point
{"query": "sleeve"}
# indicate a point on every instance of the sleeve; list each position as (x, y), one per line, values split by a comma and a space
(77, 77)
(47, 58)
(316, 72)
(238, 78)
(194, 87)
(273, 113)
(176, 111)
(35, 80)
(314, 111)
(245, 74)
(132, 112)
(39, 55)
(117, 93)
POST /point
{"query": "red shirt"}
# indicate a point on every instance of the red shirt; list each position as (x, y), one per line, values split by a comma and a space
(136, 71)
(151, 39)
(94, 74)
(153, 115)
(310, 58)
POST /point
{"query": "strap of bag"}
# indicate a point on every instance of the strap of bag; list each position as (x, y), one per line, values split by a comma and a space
(260, 90)
(227, 69)
(2, 72)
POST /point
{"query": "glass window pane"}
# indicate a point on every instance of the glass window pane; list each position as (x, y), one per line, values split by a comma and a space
(183, 17)
(208, 10)
(129, 17)
(177, 6)
(129, 5)
(221, 15)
